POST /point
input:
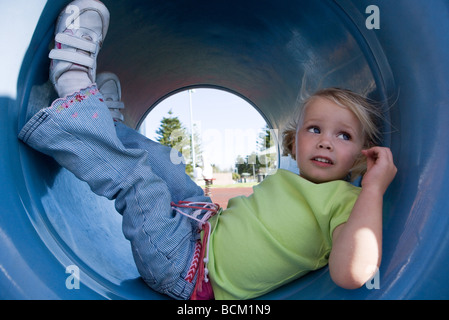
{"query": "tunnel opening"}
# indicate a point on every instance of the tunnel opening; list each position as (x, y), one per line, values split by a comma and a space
(227, 145)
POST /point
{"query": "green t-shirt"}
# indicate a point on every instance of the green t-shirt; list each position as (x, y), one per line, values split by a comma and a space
(277, 234)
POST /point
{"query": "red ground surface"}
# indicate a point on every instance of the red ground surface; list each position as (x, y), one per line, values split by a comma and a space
(222, 195)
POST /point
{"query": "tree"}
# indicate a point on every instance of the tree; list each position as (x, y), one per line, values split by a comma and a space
(171, 131)
(250, 164)
(265, 138)
(173, 134)
(266, 146)
(261, 161)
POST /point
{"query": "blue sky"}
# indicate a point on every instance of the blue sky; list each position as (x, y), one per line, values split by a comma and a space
(229, 125)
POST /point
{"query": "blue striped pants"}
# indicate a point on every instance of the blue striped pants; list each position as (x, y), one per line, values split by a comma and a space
(119, 163)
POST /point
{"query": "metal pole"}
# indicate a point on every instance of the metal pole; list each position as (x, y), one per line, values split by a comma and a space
(191, 130)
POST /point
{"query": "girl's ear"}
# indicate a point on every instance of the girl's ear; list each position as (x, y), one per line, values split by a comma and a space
(293, 148)
(359, 167)
(289, 143)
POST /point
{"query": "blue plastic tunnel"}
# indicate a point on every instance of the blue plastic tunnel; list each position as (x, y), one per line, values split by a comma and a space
(268, 52)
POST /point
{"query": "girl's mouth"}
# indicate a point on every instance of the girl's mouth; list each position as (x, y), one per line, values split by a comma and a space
(322, 161)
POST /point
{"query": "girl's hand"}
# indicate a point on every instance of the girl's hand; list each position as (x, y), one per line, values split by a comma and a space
(357, 244)
(380, 168)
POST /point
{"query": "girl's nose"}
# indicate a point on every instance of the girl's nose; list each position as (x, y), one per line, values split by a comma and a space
(324, 144)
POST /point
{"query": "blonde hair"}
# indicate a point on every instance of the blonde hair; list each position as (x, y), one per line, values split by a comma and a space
(365, 111)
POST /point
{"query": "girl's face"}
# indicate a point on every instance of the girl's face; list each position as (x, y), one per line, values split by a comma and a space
(328, 142)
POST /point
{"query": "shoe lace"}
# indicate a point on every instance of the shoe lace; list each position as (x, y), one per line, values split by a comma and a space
(204, 225)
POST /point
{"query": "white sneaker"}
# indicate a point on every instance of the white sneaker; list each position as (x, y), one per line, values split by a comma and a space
(109, 86)
(80, 31)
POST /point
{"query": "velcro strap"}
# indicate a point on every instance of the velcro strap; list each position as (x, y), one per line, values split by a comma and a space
(73, 57)
(76, 42)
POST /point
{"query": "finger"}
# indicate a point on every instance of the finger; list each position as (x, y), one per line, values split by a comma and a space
(371, 154)
(379, 156)
(371, 151)
(386, 155)
(385, 159)
(390, 155)
(377, 152)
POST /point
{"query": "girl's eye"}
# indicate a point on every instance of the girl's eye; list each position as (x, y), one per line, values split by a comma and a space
(344, 136)
(314, 130)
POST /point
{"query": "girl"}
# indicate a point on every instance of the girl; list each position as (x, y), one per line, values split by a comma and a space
(289, 226)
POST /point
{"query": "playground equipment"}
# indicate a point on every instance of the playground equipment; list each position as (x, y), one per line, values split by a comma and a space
(60, 241)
